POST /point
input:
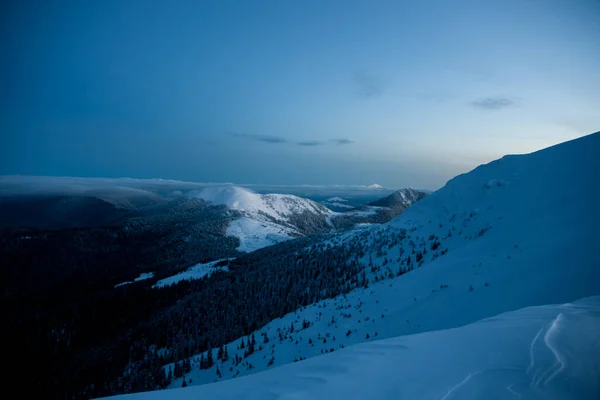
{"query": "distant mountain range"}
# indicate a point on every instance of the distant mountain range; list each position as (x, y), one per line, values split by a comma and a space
(265, 219)
(272, 218)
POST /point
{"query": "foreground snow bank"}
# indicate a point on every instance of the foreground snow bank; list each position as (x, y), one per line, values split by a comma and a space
(546, 352)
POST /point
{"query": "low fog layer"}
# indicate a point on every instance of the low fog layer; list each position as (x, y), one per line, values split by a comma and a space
(129, 191)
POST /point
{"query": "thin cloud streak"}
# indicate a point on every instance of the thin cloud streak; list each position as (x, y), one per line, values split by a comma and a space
(310, 143)
(342, 141)
(493, 103)
(263, 138)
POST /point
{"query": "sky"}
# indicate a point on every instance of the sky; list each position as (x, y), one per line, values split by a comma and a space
(400, 93)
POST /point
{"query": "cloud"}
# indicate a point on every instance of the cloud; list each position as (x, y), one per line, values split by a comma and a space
(342, 141)
(279, 139)
(369, 85)
(263, 138)
(310, 143)
(493, 103)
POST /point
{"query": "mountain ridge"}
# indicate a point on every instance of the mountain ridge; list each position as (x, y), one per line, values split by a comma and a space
(400, 199)
(267, 218)
(485, 244)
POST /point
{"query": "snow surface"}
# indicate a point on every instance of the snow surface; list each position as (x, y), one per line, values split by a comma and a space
(546, 352)
(336, 199)
(197, 271)
(143, 276)
(525, 242)
(255, 234)
(375, 186)
(277, 206)
(266, 218)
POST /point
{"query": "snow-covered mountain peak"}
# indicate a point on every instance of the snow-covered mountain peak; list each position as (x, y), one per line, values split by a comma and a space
(267, 218)
(375, 186)
(234, 197)
(277, 206)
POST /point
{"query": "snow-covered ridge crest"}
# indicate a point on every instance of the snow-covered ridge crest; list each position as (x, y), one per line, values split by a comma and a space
(267, 218)
(277, 206)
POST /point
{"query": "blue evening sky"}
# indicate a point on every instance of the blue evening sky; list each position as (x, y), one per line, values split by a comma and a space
(402, 93)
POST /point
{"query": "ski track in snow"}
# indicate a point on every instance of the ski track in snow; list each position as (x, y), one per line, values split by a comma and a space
(559, 365)
(531, 356)
(458, 386)
(511, 390)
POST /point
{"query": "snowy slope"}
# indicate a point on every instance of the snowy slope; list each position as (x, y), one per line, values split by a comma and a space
(547, 352)
(503, 239)
(268, 218)
(143, 276)
(517, 232)
(276, 206)
(400, 199)
(379, 211)
(255, 234)
(197, 271)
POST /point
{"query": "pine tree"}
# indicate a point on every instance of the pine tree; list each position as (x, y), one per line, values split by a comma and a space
(225, 354)
(177, 372)
(209, 358)
(251, 342)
